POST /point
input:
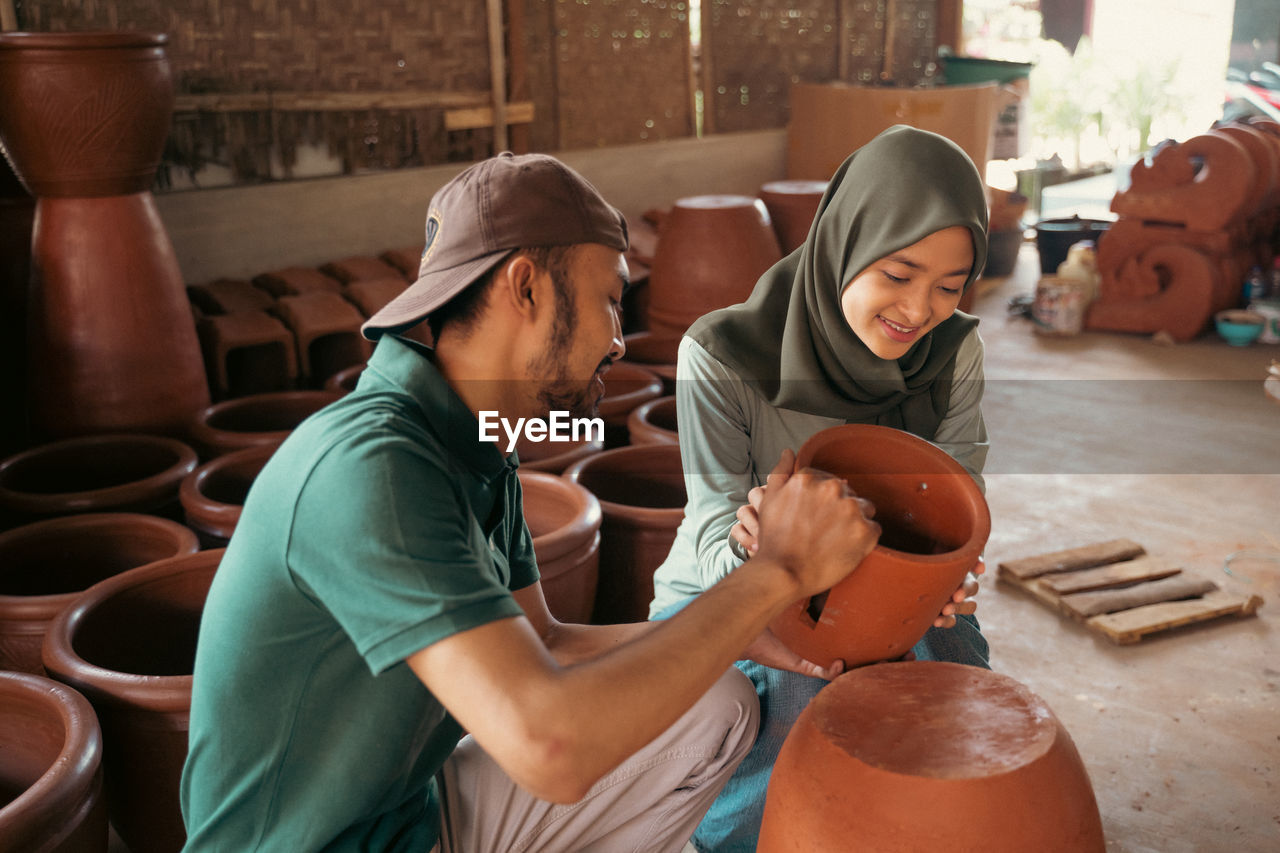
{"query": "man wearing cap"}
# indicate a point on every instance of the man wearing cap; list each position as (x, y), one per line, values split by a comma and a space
(380, 595)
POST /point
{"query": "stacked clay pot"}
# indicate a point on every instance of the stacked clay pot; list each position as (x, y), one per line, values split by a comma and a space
(654, 422)
(255, 420)
(46, 564)
(904, 757)
(104, 473)
(626, 387)
(792, 206)
(934, 524)
(656, 353)
(112, 345)
(51, 796)
(642, 496)
(711, 250)
(552, 457)
(128, 644)
(213, 495)
(564, 520)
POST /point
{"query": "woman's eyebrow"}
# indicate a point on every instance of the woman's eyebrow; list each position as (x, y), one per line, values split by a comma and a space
(907, 262)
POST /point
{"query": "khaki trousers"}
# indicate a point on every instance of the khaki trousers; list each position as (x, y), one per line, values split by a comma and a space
(652, 802)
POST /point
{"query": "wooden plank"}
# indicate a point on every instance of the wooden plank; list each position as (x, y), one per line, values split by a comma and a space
(1085, 604)
(476, 117)
(232, 102)
(1104, 577)
(1071, 559)
(1130, 626)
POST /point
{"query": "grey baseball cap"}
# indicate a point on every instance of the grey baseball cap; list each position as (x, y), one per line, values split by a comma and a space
(498, 205)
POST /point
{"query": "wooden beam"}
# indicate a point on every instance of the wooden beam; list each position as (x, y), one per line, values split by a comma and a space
(473, 118)
(233, 102)
(497, 75)
(8, 17)
(517, 74)
(948, 28)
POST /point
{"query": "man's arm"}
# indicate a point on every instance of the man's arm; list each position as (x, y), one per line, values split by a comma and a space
(568, 642)
(557, 729)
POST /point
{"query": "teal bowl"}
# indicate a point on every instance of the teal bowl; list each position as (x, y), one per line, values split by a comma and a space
(1239, 327)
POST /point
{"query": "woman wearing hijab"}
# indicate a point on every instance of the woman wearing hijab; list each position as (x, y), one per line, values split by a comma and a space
(858, 325)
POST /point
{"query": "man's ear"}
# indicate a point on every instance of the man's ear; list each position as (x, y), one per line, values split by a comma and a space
(522, 284)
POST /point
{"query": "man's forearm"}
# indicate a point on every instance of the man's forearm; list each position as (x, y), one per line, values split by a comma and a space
(572, 643)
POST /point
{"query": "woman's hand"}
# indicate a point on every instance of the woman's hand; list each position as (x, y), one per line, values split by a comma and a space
(962, 599)
(767, 649)
(746, 530)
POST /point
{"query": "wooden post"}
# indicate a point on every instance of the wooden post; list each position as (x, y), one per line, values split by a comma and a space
(707, 58)
(949, 27)
(890, 41)
(497, 75)
(8, 17)
(517, 69)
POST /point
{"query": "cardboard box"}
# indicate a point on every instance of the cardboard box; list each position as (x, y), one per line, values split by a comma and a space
(830, 120)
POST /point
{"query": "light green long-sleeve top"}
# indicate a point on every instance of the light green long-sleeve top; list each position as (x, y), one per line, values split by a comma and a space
(730, 439)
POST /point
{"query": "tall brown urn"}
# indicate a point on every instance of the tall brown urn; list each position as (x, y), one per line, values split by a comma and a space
(111, 340)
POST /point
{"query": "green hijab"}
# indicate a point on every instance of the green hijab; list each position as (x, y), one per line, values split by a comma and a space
(791, 339)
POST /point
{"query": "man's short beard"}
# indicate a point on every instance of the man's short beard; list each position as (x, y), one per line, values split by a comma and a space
(561, 392)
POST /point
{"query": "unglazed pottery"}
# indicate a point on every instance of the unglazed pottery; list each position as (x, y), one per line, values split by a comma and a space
(369, 295)
(934, 523)
(564, 520)
(654, 422)
(344, 381)
(326, 328)
(46, 564)
(213, 495)
(51, 797)
(905, 757)
(626, 386)
(792, 206)
(296, 281)
(360, 268)
(406, 259)
(656, 353)
(711, 250)
(641, 492)
(128, 644)
(551, 457)
(102, 473)
(248, 352)
(111, 341)
(254, 420)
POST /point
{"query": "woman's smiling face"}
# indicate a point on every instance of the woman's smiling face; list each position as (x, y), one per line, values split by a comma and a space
(900, 298)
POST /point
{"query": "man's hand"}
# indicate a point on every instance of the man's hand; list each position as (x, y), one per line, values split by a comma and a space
(813, 526)
(962, 599)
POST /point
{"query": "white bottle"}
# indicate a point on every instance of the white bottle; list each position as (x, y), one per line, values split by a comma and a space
(1081, 269)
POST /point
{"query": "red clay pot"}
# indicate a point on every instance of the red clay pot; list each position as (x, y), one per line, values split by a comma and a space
(935, 523)
(327, 330)
(361, 268)
(50, 768)
(626, 386)
(904, 757)
(254, 420)
(128, 644)
(213, 495)
(103, 473)
(656, 353)
(406, 259)
(654, 423)
(45, 565)
(792, 206)
(564, 520)
(551, 457)
(248, 352)
(344, 381)
(711, 251)
(641, 493)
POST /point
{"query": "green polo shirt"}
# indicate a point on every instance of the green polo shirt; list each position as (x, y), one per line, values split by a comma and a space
(381, 525)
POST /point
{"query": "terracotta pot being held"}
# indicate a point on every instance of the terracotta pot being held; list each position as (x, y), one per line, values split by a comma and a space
(934, 523)
(792, 206)
(654, 422)
(51, 797)
(103, 473)
(254, 420)
(213, 495)
(904, 757)
(642, 496)
(711, 250)
(626, 386)
(128, 644)
(564, 520)
(46, 564)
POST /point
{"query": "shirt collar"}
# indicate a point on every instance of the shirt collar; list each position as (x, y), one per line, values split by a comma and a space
(402, 365)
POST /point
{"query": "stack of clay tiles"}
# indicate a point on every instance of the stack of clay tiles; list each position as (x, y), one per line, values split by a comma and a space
(1197, 216)
(294, 327)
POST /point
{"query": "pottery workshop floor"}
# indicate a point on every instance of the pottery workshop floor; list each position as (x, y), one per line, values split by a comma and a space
(1105, 436)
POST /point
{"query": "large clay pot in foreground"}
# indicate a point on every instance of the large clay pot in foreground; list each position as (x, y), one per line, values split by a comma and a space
(102, 473)
(641, 492)
(254, 421)
(46, 564)
(711, 251)
(213, 495)
(654, 423)
(128, 644)
(904, 757)
(112, 343)
(51, 796)
(564, 520)
(934, 522)
(626, 386)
